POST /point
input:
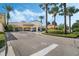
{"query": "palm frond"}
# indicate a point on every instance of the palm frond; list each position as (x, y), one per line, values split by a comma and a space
(8, 7)
(54, 10)
(61, 14)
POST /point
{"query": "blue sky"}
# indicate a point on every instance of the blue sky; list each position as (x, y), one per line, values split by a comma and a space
(29, 12)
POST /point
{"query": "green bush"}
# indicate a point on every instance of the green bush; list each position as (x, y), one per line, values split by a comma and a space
(1, 32)
(43, 29)
(2, 43)
(75, 30)
(9, 28)
(61, 27)
(75, 26)
(72, 35)
(2, 39)
(55, 31)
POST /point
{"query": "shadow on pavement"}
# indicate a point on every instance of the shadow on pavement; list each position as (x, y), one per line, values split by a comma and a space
(10, 36)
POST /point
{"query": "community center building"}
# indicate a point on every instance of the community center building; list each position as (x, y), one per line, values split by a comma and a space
(26, 26)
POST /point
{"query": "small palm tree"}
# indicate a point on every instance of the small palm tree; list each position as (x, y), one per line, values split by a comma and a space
(54, 11)
(44, 6)
(8, 8)
(41, 17)
(70, 12)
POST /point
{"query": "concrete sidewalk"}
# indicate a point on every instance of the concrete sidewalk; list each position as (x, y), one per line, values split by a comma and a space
(10, 50)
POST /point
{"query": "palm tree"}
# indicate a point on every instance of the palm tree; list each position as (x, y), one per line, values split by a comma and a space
(70, 11)
(64, 10)
(44, 6)
(54, 11)
(8, 8)
(41, 17)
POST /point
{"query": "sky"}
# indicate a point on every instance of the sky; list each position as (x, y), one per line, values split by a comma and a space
(28, 12)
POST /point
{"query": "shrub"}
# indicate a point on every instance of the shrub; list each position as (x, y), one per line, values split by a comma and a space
(1, 32)
(72, 35)
(2, 42)
(2, 39)
(75, 30)
(61, 27)
(75, 26)
(9, 28)
(43, 29)
(55, 31)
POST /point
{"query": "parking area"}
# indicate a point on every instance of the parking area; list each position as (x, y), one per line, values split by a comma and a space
(33, 44)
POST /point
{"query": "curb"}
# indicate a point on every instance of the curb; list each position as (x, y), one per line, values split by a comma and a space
(74, 39)
(10, 50)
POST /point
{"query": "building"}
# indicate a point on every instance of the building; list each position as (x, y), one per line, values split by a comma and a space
(24, 26)
(52, 26)
(2, 18)
(2, 22)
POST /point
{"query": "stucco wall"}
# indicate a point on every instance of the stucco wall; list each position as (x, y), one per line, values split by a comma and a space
(2, 18)
(1, 28)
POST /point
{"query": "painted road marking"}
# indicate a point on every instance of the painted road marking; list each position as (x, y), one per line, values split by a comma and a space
(45, 50)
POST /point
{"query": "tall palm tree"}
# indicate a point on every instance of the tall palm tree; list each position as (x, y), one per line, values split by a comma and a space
(64, 10)
(44, 6)
(70, 12)
(8, 8)
(54, 11)
(41, 17)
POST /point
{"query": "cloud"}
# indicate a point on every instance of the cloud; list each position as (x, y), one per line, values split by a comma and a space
(16, 16)
(26, 15)
(33, 14)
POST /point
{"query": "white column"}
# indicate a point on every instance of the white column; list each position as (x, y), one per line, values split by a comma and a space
(36, 28)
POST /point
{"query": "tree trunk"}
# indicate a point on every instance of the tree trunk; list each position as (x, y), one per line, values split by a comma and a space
(69, 24)
(46, 7)
(54, 21)
(65, 27)
(8, 17)
(41, 26)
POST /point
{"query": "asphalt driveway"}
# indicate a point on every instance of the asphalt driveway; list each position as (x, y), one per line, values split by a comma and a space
(35, 44)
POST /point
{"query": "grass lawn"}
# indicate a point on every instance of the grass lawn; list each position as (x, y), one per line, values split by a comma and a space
(61, 34)
(2, 39)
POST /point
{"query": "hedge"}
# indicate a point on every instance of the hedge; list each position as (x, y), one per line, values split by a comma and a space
(61, 33)
(2, 39)
(72, 35)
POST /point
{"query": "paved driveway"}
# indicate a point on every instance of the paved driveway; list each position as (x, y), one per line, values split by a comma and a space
(34, 44)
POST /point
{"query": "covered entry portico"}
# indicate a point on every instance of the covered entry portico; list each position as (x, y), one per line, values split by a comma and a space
(22, 26)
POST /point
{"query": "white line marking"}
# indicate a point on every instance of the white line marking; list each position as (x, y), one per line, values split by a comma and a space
(45, 50)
